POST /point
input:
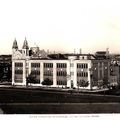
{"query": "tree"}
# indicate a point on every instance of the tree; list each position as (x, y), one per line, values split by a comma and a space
(100, 83)
(103, 83)
(83, 83)
(31, 79)
(47, 81)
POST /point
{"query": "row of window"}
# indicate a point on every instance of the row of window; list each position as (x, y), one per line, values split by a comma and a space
(61, 82)
(61, 73)
(35, 72)
(18, 71)
(79, 65)
(61, 65)
(48, 73)
(82, 74)
(35, 65)
(18, 64)
(48, 65)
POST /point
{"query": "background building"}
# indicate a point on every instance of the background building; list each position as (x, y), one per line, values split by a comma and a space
(5, 68)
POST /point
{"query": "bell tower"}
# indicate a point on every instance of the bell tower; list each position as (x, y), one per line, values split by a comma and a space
(15, 46)
(25, 48)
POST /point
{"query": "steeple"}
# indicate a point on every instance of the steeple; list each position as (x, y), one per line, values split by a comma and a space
(25, 44)
(15, 46)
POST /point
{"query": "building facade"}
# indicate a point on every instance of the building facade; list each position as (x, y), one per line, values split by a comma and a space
(64, 72)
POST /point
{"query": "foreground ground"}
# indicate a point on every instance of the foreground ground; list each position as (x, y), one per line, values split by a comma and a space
(60, 108)
(44, 101)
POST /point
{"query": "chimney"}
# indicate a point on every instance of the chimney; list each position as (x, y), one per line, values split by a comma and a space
(74, 51)
(107, 52)
(80, 51)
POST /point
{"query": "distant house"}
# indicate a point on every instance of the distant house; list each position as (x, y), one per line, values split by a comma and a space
(102, 54)
(5, 68)
(64, 70)
(115, 71)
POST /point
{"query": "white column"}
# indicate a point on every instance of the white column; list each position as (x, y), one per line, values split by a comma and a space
(108, 68)
(98, 71)
(89, 74)
(41, 72)
(103, 70)
(75, 75)
(24, 73)
(68, 75)
(54, 75)
(29, 68)
(13, 72)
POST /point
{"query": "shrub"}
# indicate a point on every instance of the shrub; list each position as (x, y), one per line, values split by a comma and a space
(47, 81)
(31, 79)
(83, 83)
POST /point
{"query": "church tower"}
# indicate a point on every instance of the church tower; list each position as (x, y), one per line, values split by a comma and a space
(15, 46)
(25, 48)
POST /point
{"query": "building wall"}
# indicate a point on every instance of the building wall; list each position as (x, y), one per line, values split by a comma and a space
(62, 72)
(101, 71)
(18, 72)
(114, 74)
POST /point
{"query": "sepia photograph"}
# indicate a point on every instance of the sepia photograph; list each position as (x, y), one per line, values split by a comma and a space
(60, 58)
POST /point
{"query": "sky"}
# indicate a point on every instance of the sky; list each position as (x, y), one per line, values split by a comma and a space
(61, 25)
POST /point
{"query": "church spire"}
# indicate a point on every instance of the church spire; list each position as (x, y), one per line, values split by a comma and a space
(25, 44)
(15, 46)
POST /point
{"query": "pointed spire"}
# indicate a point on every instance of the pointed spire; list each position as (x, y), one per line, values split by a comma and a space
(25, 44)
(15, 46)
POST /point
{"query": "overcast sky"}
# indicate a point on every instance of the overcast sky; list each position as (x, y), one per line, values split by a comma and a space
(61, 25)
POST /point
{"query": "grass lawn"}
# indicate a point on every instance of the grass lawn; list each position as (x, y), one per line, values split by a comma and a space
(37, 101)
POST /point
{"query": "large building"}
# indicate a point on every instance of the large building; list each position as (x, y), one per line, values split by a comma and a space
(64, 70)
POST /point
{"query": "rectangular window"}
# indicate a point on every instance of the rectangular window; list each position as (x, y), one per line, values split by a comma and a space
(71, 73)
(61, 73)
(48, 73)
(61, 82)
(35, 65)
(79, 65)
(61, 65)
(35, 72)
(18, 64)
(18, 71)
(71, 64)
(48, 65)
(82, 65)
(82, 74)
